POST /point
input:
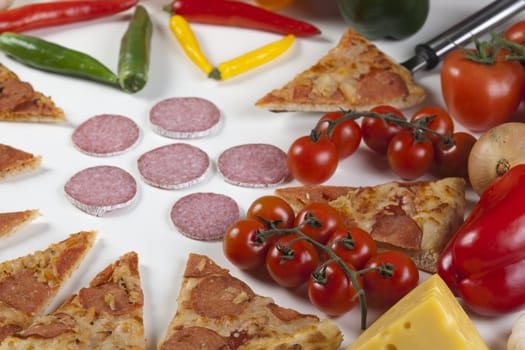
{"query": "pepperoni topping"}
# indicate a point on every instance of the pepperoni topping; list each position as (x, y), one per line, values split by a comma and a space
(7, 330)
(191, 338)
(174, 166)
(57, 324)
(107, 298)
(24, 292)
(234, 296)
(380, 86)
(14, 92)
(106, 135)
(200, 266)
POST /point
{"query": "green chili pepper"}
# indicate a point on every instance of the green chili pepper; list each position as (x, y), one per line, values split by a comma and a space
(134, 55)
(392, 19)
(47, 56)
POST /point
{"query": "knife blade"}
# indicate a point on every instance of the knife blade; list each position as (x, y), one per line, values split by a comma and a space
(429, 54)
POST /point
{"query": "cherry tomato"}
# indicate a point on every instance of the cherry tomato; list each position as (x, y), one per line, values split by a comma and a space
(516, 32)
(481, 96)
(293, 272)
(337, 295)
(407, 158)
(452, 160)
(329, 218)
(364, 246)
(272, 208)
(442, 122)
(377, 134)
(239, 245)
(346, 134)
(385, 291)
(312, 162)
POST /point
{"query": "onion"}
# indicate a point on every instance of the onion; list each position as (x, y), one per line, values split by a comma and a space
(494, 153)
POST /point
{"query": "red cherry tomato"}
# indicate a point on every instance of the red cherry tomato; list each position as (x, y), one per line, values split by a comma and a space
(441, 123)
(407, 158)
(516, 32)
(329, 218)
(385, 291)
(293, 272)
(452, 160)
(239, 245)
(272, 208)
(338, 295)
(481, 96)
(377, 134)
(312, 162)
(346, 134)
(363, 246)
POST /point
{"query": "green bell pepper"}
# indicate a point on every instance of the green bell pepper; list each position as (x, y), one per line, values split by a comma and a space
(391, 19)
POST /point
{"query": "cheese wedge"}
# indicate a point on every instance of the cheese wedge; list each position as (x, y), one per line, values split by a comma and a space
(429, 318)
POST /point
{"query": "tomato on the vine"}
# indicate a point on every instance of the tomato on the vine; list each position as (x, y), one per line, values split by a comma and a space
(441, 122)
(376, 133)
(409, 158)
(452, 159)
(240, 247)
(272, 208)
(384, 291)
(516, 32)
(346, 134)
(337, 295)
(328, 217)
(293, 272)
(312, 161)
(363, 246)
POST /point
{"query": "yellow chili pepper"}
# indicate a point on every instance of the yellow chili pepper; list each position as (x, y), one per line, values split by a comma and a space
(184, 34)
(251, 59)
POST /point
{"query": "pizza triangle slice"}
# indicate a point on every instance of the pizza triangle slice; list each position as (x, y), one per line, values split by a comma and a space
(219, 311)
(107, 314)
(14, 161)
(29, 283)
(12, 221)
(20, 102)
(354, 75)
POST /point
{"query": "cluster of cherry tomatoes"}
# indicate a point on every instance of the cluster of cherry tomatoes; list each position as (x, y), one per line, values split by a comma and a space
(329, 257)
(425, 143)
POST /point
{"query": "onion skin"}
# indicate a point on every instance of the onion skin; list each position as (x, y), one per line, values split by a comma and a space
(494, 153)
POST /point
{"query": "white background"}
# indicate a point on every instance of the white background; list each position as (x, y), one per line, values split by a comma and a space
(145, 227)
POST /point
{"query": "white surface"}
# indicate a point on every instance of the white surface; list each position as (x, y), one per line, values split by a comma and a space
(145, 227)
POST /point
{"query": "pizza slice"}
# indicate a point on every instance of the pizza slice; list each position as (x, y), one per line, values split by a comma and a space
(108, 314)
(219, 311)
(19, 102)
(29, 283)
(12, 221)
(354, 75)
(14, 161)
(418, 218)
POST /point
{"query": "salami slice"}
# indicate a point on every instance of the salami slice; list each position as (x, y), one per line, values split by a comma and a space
(100, 189)
(174, 166)
(106, 135)
(204, 215)
(185, 117)
(253, 165)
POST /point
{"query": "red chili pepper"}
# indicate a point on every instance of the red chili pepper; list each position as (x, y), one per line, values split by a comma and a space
(46, 14)
(240, 14)
(485, 260)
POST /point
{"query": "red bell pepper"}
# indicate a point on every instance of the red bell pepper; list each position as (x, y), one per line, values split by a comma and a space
(484, 263)
(47, 14)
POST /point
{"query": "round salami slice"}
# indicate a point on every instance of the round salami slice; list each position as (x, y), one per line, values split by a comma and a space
(253, 165)
(106, 135)
(174, 166)
(185, 117)
(100, 189)
(204, 216)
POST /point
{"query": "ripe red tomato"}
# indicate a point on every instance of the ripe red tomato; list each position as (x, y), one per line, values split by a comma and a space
(328, 216)
(312, 162)
(363, 246)
(452, 160)
(272, 208)
(409, 158)
(346, 134)
(292, 273)
(442, 122)
(338, 295)
(377, 134)
(385, 291)
(239, 245)
(481, 96)
(516, 32)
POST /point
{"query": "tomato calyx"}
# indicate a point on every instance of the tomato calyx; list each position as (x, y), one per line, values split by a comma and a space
(486, 52)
